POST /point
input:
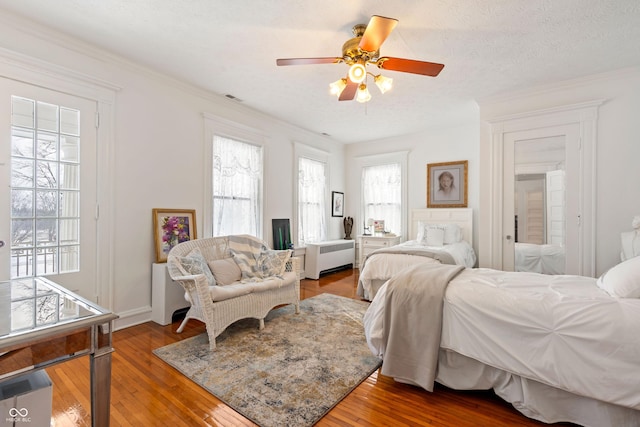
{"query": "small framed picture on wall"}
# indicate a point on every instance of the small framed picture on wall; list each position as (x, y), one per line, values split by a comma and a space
(447, 185)
(337, 203)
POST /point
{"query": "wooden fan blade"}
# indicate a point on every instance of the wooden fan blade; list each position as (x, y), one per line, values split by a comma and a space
(410, 66)
(305, 61)
(349, 92)
(378, 29)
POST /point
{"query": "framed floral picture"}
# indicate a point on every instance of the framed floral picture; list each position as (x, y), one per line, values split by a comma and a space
(170, 227)
(447, 185)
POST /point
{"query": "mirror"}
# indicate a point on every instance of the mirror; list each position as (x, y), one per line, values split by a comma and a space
(539, 210)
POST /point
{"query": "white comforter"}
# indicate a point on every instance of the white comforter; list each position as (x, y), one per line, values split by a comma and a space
(559, 330)
(380, 266)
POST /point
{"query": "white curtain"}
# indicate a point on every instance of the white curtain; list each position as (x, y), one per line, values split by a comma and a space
(237, 187)
(382, 195)
(312, 225)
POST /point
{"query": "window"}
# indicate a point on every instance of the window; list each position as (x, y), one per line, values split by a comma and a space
(237, 187)
(382, 195)
(45, 188)
(312, 191)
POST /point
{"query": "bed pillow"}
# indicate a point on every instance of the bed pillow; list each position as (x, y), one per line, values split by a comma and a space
(421, 230)
(452, 234)
(194, 263)
(434, 236)
(623, 280)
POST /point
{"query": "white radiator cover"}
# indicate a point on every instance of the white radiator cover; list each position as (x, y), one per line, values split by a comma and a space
(323, 256)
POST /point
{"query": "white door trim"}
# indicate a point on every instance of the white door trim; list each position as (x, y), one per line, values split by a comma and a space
(586, 115)
(33, 71)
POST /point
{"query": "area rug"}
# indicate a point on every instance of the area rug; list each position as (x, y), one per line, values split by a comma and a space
(293, 371)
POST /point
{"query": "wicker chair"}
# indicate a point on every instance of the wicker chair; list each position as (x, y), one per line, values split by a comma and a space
(218, 315)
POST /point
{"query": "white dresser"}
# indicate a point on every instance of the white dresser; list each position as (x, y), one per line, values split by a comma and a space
(368, 244)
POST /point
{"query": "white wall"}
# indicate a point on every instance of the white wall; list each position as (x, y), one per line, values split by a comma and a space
(158, 146)
(617, 153)
(436, 145)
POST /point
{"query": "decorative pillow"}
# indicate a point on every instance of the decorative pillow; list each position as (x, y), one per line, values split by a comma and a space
(248, 265)
(452, 234)
(623, 280)
(273, 263)
(434, 236)
(194, 263)
(225, 271)
(421, 228)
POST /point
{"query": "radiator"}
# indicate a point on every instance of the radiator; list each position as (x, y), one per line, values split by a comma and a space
(325, 256)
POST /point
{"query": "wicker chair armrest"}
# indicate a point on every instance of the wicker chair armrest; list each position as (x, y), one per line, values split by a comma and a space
(293, 264)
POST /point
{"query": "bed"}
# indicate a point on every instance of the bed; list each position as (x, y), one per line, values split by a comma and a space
(545, 259)
(436, 236)
(557, 347)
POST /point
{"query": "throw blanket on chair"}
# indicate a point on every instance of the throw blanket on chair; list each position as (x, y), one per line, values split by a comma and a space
(411, 355)
(246, 250)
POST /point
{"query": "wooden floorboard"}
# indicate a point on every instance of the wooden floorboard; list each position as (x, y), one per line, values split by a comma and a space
(147, 392)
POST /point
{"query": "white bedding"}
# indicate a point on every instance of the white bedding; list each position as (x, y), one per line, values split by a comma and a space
(379, 267)
(545, 259)
(540, 330)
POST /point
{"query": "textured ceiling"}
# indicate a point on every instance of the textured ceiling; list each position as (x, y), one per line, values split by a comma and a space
(488, 47)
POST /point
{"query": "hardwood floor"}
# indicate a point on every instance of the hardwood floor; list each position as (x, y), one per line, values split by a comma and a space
(147, 392)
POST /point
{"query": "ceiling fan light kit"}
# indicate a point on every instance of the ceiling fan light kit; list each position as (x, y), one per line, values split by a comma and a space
(363, 94)
(357, 73)
(337, 87)
(362, 50)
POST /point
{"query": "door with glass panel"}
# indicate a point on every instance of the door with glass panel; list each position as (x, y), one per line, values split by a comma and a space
(48, 212)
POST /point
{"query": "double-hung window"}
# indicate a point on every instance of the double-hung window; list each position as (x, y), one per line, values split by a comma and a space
(383, 190)
(237, 187)
(382, 195)
(312, 189)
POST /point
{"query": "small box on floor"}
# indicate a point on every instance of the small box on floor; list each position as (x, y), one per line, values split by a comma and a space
(26, 400)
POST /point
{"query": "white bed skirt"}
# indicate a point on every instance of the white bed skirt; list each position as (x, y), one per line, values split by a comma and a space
(533, 399)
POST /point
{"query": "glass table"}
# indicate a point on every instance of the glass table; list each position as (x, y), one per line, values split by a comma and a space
(43, 323)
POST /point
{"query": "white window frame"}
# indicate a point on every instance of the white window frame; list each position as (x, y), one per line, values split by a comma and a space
(400, 157)
(214, 125)
(306, 151)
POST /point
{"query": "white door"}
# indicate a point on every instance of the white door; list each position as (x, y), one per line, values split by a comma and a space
(569, 135)
(48, 167)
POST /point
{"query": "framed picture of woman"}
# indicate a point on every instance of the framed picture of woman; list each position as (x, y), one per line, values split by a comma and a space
(447, 184)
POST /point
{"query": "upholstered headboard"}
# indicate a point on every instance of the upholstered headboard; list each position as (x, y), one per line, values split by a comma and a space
(463, 217)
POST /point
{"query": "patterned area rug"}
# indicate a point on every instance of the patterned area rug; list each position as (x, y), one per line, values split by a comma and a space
(293, 371)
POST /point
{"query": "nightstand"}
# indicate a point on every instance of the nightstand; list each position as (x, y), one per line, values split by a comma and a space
(368, 244)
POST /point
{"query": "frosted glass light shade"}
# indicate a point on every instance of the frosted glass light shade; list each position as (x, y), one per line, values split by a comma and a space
(383, 83)
(337, 87)
(363, 94)
(357, 73)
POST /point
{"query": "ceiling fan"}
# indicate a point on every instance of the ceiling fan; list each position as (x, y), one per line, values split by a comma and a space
(364, 49)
